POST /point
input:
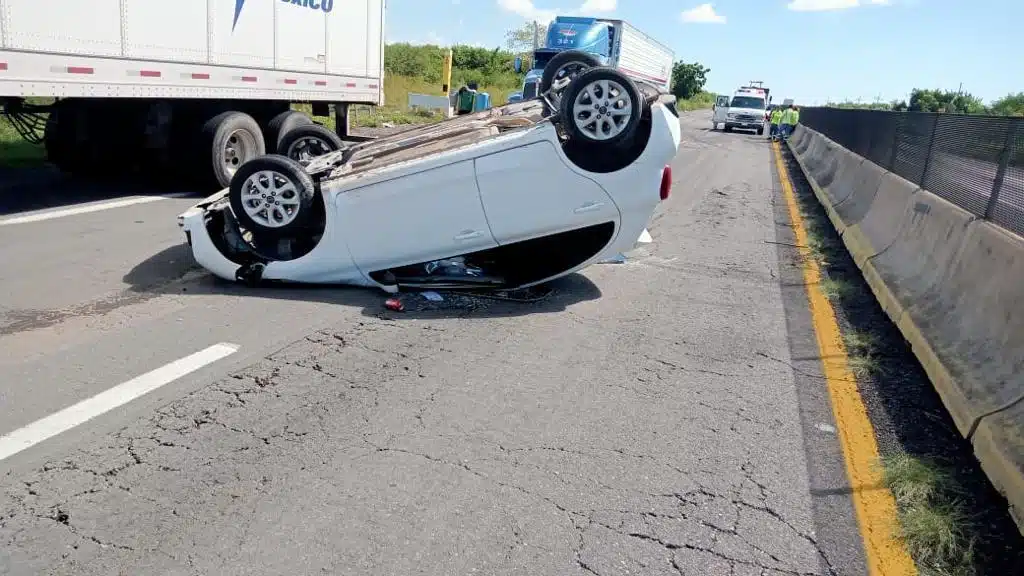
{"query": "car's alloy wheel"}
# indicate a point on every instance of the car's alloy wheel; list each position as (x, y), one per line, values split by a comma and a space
(304, 143)
(602, 110)
(272, 196)
(270, 199)
(601, 106)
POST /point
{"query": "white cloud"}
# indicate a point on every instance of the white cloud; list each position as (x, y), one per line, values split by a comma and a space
(527, 10)
(704, 14)
(590, 6)
(828, 5)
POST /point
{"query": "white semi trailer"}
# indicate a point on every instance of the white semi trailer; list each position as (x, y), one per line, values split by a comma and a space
(186, 85)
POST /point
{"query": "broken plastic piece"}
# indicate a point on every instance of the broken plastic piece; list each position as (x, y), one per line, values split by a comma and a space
(394, 304)
(645, 237)
(433, 296)
(451, 267)
(617, 259)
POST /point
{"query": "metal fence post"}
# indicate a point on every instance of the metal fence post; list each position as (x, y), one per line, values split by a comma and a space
(1004, 161)
(895, 141)
(928, 155)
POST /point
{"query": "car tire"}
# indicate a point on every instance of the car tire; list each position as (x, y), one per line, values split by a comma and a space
(258, 182)
(232, 139)
(282, 124)
(303, 143)
(727, 128)
(616, 89)
(760, 131)
(571, 62)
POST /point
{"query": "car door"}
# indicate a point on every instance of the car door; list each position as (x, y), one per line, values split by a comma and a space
(417, 217)
(529, 192)
(721, 109)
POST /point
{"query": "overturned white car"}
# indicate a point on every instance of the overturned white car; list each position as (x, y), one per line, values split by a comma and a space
(506, 198)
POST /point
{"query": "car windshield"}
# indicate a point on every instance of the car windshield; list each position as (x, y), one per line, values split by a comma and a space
(747, 102)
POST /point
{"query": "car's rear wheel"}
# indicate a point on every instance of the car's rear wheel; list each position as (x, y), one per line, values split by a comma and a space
(560, 71)
(601, 106)
(303, 143)
(272, 196)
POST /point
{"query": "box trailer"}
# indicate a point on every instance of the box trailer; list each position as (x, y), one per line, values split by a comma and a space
(198, 85)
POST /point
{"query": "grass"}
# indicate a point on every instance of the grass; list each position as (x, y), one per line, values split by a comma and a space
(837, 290)
(701, 101)
(15, 151)
(933, 522)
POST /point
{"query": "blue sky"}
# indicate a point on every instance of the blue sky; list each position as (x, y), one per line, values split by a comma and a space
(834, 49)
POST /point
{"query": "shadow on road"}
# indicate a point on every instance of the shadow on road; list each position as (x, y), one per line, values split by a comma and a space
(173, 271)
(24, 189)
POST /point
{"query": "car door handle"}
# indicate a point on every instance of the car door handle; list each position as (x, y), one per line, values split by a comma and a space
(588, 207)
(469, 235)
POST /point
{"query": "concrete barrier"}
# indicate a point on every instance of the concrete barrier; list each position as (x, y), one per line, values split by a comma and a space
(863, 182)
(953, 284)
(798, 138)
(999, 445)
(974, 321)
(825, 173)
(845, 177)
(879, 227)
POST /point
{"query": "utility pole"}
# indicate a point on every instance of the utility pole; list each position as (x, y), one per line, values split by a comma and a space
(536, 35)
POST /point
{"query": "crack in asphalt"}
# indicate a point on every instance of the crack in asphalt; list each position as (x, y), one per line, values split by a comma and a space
(172, 426)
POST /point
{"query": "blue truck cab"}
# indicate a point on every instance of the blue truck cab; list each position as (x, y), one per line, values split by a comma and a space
(614, 43)
(590, 35)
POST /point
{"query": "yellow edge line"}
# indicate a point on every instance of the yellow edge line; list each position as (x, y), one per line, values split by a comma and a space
(873, 502)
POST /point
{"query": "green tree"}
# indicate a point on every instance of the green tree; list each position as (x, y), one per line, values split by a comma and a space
(519, 41)
(948, 101)
(688, 79)
(1009, 105)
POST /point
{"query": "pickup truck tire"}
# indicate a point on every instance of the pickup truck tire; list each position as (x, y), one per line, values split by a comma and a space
(232, 139)
(273, 197)
(760, 131)
(601, 106)
(282, 124)
(303, 143)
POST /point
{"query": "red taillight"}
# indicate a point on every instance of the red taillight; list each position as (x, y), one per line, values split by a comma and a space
(666, 182)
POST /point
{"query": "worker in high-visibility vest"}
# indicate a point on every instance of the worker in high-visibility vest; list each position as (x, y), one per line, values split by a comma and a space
(786, 123)
(773, 126)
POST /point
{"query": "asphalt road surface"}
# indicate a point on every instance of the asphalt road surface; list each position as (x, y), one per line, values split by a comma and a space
(660, 416)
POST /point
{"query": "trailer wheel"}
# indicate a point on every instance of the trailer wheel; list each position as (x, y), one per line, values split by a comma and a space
(234, 138)
(304, 143)
(272, 196)
(601, 106)
(282, 124)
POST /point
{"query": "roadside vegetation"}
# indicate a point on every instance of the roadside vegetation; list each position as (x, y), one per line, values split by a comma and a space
(951, 519)
(947, 101)
(934, 522)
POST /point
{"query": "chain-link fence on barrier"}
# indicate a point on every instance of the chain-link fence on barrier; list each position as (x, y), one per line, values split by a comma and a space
(975, 162)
